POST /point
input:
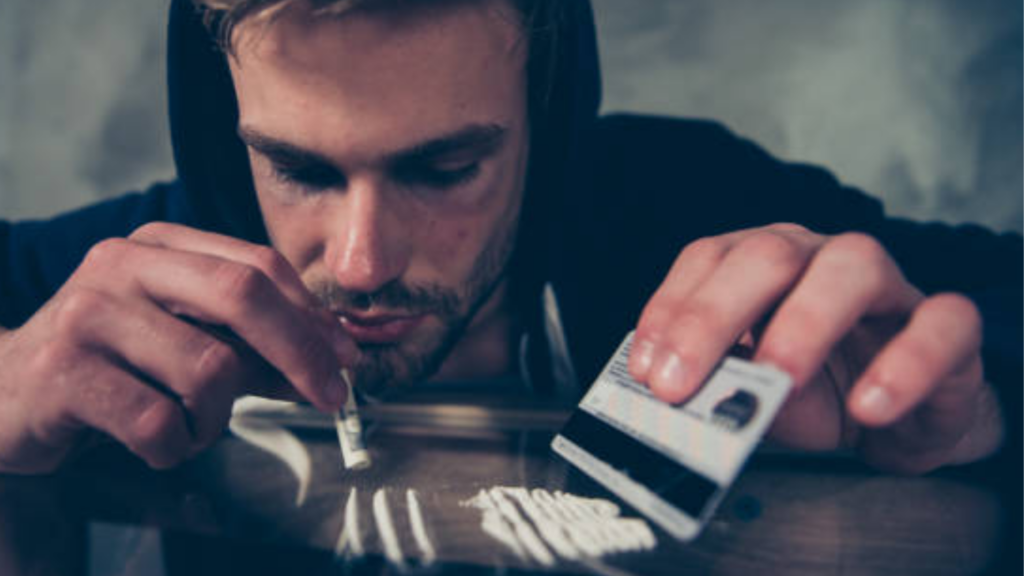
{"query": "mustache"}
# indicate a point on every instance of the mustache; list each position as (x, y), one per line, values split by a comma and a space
(394, 295)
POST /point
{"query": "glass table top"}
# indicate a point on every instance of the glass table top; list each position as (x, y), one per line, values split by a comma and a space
(238, 508)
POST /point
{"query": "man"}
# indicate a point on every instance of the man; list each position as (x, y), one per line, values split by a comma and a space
(423, 191)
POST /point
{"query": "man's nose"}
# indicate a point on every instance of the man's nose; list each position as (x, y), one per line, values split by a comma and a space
(369, 245)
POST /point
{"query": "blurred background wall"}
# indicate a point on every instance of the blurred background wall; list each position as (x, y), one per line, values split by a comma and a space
(919, 102)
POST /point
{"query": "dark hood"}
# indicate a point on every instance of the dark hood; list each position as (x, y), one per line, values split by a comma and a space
(213, 166)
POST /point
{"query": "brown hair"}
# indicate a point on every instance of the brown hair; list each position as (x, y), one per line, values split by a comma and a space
(539, 18)
(223, 16)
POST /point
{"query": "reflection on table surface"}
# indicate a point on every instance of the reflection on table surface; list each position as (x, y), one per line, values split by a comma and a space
(233, 509)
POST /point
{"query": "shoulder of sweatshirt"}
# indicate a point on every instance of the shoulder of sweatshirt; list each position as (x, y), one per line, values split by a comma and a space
(37, 256)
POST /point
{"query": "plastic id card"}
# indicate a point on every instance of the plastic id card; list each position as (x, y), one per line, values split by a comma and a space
(673, 463)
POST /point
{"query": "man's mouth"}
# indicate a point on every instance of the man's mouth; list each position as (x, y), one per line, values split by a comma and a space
(379, 328)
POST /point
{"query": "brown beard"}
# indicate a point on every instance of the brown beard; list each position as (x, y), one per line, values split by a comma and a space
(394, 365)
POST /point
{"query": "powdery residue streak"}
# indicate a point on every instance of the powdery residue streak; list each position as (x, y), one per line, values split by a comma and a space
(350, 541)
(544, 524)
(419, 529)
(386, 530)
(495, 525)
(279, 442)
(523, 530)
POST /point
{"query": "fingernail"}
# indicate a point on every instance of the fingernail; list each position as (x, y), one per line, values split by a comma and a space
(876, 401)
(335, 390)
(671, 373)
(642, 356)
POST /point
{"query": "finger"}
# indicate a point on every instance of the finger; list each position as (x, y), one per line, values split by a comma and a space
(692, 268)
(262, 378)
(240, 297)
(850, 277)
(204, 374)
(750, 280)
(696, 262)
(269, 261)
(934, 360)
(264, 258)
(147, 422)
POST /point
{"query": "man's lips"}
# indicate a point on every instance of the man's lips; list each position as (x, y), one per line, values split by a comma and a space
(380, 328)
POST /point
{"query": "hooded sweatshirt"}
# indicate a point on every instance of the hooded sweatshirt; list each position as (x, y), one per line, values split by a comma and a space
(610, 202)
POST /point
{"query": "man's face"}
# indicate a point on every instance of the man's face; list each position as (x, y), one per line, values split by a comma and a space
(388, 149)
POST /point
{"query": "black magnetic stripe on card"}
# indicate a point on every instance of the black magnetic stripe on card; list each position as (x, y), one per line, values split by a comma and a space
(684, 488)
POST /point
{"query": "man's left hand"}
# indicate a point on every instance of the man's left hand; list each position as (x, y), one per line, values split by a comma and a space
(876, 365)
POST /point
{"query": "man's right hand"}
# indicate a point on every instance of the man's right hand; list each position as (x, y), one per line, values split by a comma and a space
(125, 348)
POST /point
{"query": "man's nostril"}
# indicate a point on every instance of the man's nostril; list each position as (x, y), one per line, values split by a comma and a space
(362, 301)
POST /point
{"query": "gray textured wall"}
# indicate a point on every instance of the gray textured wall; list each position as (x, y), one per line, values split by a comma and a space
(82, 104)
(918, 101)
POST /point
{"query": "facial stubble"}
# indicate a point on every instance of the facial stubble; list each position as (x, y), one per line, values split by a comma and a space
(383, 367)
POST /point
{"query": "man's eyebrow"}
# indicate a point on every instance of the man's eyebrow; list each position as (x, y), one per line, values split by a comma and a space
(482, 138)
(280, 150)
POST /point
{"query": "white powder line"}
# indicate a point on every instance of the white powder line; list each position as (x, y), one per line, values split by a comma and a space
(526, 534)
(550, 528)
(576, 528)
(600, 506)
(595, 527)
(386, 530)
(494, 525)
(606, 526)
(281, 443)
(419, 529)
(623, 534)
(350, 541)
(502, 531)
(627, 534)
(642, 532)
(598, 522)
(582, 534)
(586, 535)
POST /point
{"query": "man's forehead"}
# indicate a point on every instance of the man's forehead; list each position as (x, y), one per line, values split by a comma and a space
(379, 81)
(299, 33)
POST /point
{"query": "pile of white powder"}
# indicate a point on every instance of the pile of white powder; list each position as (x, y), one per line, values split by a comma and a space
(539, 524)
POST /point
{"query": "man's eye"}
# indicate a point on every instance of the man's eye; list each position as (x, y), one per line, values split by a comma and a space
(441, 179)
(311, 177)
